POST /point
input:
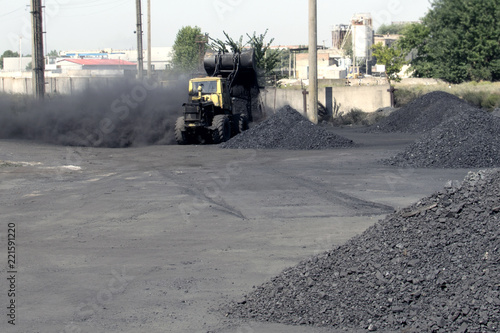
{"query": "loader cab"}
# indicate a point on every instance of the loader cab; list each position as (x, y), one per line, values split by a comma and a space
(210, 89)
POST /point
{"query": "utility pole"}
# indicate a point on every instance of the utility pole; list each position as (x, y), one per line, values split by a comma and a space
(140, 62)
(20, 53)
(202, 41)
(313, 62)
(150, 69)
(38, 62)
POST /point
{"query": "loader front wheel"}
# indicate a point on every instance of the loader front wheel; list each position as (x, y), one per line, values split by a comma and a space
(222, 129)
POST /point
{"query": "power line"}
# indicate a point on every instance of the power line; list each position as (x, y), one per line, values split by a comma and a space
(15, 10)
(93, 13)
(89, 4)
(100, 4)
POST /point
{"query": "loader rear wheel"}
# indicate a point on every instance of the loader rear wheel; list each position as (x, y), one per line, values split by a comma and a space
(222, 129)
(235, 119)
(242, 123)
(180, 132)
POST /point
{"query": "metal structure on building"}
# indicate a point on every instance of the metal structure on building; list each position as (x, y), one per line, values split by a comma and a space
(339, 34)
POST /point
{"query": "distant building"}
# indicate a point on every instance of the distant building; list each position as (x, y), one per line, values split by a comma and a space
(16, 64)
(386, 40)
(360, 32)
(331, 65)
(95, 64)
(161, 57)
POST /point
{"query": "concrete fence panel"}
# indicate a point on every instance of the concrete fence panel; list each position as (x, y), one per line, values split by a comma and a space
(365, 98)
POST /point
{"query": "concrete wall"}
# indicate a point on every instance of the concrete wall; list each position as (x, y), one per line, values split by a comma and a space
(20, 82)
(366, 98)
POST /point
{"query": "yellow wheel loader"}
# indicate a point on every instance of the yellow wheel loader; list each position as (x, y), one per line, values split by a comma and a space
(210, 115)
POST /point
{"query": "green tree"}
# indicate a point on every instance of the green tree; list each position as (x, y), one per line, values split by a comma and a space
(222, 46)
(53, 53)
(393, 57)
(188, 49)
(7, 54)
(391, 29)
(267, 59)
(457, 41)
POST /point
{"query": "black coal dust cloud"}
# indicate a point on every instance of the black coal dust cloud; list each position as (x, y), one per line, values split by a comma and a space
(135, 113)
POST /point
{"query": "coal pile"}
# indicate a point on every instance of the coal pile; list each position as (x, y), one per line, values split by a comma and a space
(469, 140)
(127, 114)
(287, 129)
(431, 267)
(423, 114)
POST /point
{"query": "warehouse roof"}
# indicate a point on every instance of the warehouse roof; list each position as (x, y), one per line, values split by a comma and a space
(100, 62)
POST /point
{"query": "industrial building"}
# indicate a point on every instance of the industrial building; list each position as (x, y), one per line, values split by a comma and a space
(95, 64)
(161, 57)
(331, 65)
(334, 63)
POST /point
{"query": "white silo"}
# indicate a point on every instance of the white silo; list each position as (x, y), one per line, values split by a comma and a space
(362, 38)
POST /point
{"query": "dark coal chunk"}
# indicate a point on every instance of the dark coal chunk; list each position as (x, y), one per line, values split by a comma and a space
(422, 114)
(408, 272)
(287, 129)
(467, 140)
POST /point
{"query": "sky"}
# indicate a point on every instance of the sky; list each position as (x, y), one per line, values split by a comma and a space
(99, 24)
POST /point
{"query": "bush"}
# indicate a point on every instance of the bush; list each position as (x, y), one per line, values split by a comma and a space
(483, 99)
(357, 117)
(491, 102)
(403, 96)
(475, 98)
(480, 94)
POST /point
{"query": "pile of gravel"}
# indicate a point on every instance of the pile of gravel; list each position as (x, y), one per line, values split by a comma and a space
(423, 114)
(468, 140)
(432, 267)
(287, 129)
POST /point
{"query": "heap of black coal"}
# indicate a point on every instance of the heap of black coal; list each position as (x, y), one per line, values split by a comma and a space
(467, 140)
(423, 114)
(431, 267)
(287, 129)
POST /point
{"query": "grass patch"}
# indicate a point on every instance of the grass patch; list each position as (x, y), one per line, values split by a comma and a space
(481, 94)
(356, 117)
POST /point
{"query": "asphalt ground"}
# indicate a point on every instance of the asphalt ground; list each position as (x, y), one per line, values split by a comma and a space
(157, 238)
